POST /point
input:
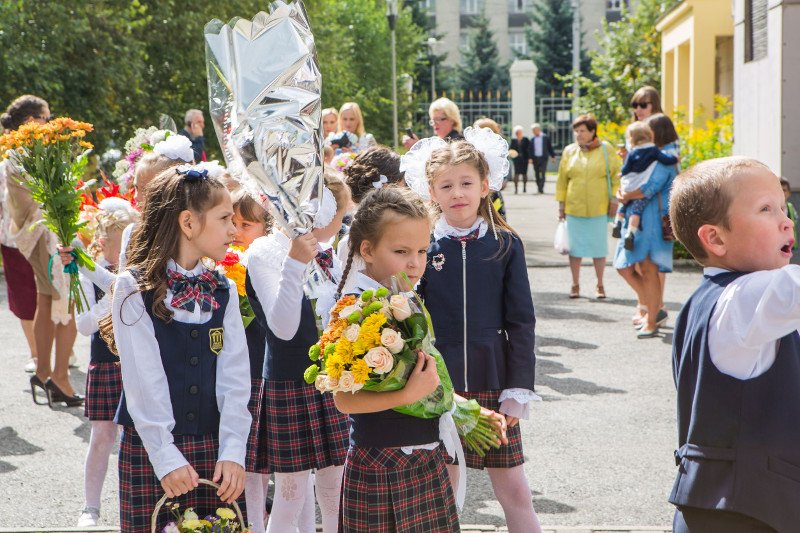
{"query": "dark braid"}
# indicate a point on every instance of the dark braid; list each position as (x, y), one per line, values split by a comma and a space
(346, 273)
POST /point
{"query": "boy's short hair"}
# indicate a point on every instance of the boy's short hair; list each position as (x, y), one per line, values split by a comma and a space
(640, 133)
(703, 195)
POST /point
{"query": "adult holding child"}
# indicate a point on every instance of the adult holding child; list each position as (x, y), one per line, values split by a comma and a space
(651, 254)
(587, 175)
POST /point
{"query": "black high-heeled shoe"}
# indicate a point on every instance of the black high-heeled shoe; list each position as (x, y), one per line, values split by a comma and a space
(37, 383)
(56, 395)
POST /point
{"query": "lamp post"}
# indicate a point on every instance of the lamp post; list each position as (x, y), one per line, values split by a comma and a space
(576, 53)
(432, 42)
(391, 16)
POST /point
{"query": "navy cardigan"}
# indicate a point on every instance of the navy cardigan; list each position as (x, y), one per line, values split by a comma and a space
(496, 350)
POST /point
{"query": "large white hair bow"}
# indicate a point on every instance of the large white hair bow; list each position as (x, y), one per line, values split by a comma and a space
(175, 147)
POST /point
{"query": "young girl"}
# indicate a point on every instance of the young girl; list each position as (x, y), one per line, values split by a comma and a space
(181, 342)
(477, 291)
(252, 221)
(299, 429)
(394, 476)
(103, 378)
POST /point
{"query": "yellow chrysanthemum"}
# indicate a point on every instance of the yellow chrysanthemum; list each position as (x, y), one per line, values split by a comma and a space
(344, 351)
(334, 366)
(370, 334)
(225, 513)
(360, 370)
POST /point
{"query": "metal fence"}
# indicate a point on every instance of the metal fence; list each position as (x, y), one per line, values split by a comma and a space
(494, 106)
(554, 113)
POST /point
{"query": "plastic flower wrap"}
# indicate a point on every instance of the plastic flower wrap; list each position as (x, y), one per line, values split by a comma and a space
(53, 157)
(231, 266)
(371, 343)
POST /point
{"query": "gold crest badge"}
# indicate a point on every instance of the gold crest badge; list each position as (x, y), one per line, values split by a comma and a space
(216, 338)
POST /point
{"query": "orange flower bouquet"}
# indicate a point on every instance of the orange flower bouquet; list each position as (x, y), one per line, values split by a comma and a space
(53, 156)
(232, 267)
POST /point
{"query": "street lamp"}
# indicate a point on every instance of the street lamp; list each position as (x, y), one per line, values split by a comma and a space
(432, 42)
(391, 16)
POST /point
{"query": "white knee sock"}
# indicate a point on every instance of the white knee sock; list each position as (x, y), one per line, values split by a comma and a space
(101, 442)
(255, 497)
(291, 491)
(514, 494)
(308, 517)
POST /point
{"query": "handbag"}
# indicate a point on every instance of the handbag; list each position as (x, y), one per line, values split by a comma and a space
(666, 224)
(613, 203)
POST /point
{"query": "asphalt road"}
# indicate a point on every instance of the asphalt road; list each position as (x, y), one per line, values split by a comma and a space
(598, 448)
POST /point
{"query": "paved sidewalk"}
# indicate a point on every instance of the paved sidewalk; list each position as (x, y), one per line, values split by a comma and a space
(598, 448)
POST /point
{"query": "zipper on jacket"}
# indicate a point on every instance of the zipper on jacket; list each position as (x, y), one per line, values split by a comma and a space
(464, 288)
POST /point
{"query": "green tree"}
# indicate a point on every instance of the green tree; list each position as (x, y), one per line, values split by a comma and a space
(480, 60)
(629, 57)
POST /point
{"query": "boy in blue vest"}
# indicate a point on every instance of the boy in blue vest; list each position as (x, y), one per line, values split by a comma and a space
(736, 353)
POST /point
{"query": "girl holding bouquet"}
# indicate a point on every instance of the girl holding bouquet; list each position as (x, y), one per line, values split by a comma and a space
(477, 291)
(395, 477)
(252, 221)
(179, 334)
(103, 378)
(299, 429)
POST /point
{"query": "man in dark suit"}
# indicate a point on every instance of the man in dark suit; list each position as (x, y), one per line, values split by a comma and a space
(540, 149)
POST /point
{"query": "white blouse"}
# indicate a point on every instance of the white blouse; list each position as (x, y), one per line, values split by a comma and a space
(88, 321)
(752, 314)
(145, 383)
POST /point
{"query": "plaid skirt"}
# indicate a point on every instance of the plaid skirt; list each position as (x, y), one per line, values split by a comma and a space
(506, 456)
(386, 491)
(299, 429)
(140, 489)
(103, 390)
(254, 406)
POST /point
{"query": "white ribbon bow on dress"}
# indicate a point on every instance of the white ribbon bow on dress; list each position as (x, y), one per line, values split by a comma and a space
(448, 433)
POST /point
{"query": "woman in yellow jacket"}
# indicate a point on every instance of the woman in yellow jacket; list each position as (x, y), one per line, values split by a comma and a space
(588, 179)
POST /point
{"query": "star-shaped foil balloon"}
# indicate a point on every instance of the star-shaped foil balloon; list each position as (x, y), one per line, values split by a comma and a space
(264, 89)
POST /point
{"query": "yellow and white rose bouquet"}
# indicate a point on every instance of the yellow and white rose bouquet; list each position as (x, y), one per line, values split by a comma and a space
(371, 343)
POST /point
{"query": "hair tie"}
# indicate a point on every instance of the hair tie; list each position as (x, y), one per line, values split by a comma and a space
(192, 173)
(381, 182)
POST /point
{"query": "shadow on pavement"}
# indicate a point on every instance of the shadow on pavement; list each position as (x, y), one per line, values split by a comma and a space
(545, 375)
(11, 444)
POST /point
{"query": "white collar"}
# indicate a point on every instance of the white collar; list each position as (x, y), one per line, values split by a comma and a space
(443, 229)
(197, 270)
(643, 145)
(364, 282)
(713, 271)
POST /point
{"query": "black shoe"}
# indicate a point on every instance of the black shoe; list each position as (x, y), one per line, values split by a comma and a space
(56, 395)
(629, 241)
(617, 231)
(37, 383)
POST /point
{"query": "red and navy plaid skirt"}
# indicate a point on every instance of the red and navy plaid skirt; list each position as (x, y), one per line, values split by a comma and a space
(254, 406)
(506, 456)
(300, 429)
(103, 390)
(140, 489)
(385, 491)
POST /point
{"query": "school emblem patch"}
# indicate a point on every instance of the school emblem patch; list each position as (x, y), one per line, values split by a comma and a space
(216, 338)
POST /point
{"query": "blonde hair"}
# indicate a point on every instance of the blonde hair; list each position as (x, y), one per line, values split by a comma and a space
(639, 132)
(486, 122)
(330, 111)
(462, 152)
(354, 107)
(108, 221)
(340, 190)
(151, 165)
(450, 110)
(703, 195)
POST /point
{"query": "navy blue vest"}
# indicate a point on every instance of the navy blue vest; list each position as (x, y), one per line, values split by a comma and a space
(255, 333)
(98, 349)
(500, 319)
(739, 439)
(390, 429)
(191, 368)
(286, 360)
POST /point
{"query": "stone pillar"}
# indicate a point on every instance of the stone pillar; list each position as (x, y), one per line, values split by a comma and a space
(523, 94)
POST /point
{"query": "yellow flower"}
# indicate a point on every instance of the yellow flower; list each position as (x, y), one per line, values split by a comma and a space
(360, 370)
(344, 351)
(192, 525)
(370, 335)
(225, 513)
(334, 366)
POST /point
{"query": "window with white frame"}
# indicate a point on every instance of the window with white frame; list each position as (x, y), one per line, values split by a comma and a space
(429, 5)
(518, 43)
(471, 7)
(463, 42)
(519, 6)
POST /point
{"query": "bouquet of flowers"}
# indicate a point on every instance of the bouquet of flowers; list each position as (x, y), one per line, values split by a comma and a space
(90, 206)
(232, 267)
(342, 160)
(223, 521)
(54, 157)
(371, 343)
(143, 140)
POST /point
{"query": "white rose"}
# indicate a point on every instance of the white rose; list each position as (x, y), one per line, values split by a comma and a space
(380, 360)
(331, 385)
(321, 383)
(400, 307)
(350, 309)
(387, 310)
(351, 332)
(392, 340)
(346, 382)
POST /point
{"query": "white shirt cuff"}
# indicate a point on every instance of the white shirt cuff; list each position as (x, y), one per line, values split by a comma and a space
(516, 402)
(167, 459)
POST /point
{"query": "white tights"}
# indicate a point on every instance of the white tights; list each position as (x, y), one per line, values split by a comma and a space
(292, 491)
(514, 494)
(255, 496)
(101, 442)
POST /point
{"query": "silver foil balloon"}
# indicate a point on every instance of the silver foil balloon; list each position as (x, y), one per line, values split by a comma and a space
(264, 88)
